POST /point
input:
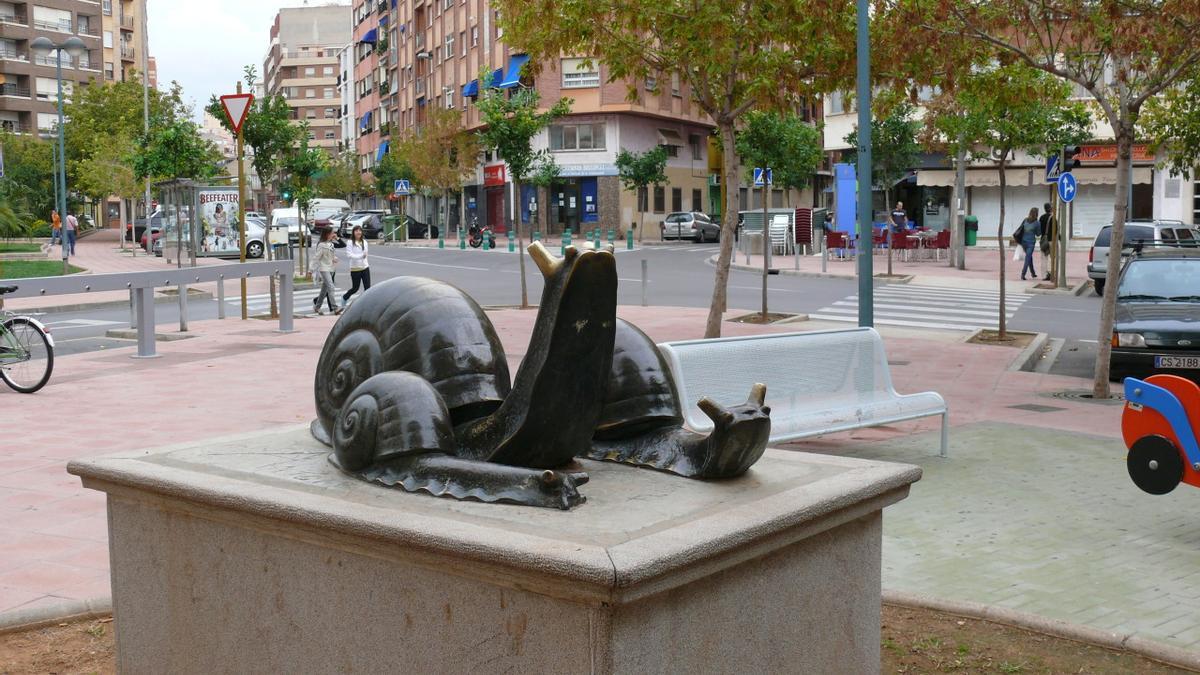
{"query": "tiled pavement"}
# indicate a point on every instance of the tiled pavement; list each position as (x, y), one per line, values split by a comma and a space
(1032, 510)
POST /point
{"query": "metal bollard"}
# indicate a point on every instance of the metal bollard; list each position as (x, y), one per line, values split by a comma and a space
(144, 306)
(629, 239)
(645, 280)
(221, 296)
(183, 308)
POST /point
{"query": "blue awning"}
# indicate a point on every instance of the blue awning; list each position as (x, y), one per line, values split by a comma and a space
(383, 150)
(497, 75)
(514, 71)
(383, 20)
(366, 121)
(471, 88)
(371, 37)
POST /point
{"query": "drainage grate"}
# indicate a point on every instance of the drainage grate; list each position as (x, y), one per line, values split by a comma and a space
(1085, 396)
(1034, 407)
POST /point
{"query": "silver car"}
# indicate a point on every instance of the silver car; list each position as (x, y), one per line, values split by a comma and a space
(690, 225)
(1153, 233)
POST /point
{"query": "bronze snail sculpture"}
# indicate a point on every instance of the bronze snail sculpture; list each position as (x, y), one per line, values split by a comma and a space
(413, 391)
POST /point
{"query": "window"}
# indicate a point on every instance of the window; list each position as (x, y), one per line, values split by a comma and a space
(651, 83)
(462, 40)
(675, 84)
(310, 113)
(310, 93)
(47, 121)
(474, 36)
(106, 5)
(499, 28)
(660, 199)
(329, 92)
(331, 113)
(776, 199)
(450, 46)
(697, 199)
(327, 71)
(310, 71)
(47, 18)
(676, 199)
(312, 135)
(576, 75)
(449, 97)
(108, 39)
(643, 199)
(330, 135)
(448, 4)
(694, 143)
(108, 70)
(577, 136)
(838, 105)
(672, 150)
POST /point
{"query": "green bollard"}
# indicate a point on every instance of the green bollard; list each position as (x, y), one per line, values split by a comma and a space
(566, 241)
(612, 235)
(487, 238)
(511, 246)
(629, 239)
(462, 241)
(441, 239)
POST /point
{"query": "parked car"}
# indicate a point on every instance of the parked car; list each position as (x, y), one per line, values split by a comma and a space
(135, 230)
(417, 229)
(690, 225)
(1156, 328)
(371, 222)
(1154, 233)
(255, 214)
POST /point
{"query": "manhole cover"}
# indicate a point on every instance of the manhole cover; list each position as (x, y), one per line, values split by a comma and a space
(1085, 396)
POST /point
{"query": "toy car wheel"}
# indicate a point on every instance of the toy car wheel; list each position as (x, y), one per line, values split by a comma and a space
(1154, 465)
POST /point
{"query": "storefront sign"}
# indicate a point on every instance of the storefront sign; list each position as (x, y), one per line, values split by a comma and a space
(578, 170)
(493, 175)
(1108, 153)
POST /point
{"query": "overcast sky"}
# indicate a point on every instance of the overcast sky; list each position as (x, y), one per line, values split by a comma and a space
(205, 43)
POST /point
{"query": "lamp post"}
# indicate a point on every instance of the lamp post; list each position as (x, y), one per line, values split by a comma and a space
(75, 48)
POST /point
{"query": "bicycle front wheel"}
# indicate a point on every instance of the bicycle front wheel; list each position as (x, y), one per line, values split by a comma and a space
(26, 355)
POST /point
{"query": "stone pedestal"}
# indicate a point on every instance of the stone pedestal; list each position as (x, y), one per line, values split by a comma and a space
(253, 554)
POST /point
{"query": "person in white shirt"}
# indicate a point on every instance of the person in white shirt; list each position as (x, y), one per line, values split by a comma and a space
(360, 269)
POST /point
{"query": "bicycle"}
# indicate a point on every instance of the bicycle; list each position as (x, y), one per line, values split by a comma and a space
(26, 350)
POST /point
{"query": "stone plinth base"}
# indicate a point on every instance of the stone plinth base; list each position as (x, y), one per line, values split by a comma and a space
(253, 554)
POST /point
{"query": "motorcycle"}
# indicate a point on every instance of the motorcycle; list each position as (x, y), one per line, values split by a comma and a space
(476, 235)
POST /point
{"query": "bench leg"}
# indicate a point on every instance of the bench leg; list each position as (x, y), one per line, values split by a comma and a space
(945, 432)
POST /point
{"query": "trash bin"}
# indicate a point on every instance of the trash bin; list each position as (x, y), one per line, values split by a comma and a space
(971, 224)
(395, 228)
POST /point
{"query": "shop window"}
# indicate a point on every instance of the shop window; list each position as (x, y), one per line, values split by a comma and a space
(660, 199)
(697, 200)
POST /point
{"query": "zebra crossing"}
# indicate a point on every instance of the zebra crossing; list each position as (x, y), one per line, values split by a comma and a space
(929, 307)
(262, 302)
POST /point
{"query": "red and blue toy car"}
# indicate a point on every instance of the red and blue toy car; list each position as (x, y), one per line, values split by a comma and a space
(1159, 424)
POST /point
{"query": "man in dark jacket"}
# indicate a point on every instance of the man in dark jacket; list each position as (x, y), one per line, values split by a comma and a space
(1049, 243)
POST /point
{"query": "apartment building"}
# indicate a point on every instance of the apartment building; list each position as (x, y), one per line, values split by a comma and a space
(123, 22)
(346, 93)
(302, 64)
(928, 191)
(29, 93)
(413, 54)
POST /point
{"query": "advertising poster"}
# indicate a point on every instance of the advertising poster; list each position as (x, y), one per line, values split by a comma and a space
(219, 215)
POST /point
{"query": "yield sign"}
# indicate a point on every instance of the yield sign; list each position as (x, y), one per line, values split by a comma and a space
(236, 107)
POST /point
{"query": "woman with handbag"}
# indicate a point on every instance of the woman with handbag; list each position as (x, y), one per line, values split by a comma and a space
(1026, 236)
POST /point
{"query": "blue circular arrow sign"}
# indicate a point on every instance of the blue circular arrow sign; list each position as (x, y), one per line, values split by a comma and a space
(1067, 187)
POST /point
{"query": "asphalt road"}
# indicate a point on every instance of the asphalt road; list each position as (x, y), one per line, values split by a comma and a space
(677, 275)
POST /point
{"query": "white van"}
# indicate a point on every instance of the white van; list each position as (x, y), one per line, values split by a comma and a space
(285, 220)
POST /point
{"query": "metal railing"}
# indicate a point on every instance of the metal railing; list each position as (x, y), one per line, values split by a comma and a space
(14, 90)
(14, 17)
(127, 22)
(12, 54)
(141, 286)
(128, 53)
(63, 26)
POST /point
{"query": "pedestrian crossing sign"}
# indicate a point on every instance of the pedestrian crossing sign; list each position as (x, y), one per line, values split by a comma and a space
(758, 176)
(402, 187)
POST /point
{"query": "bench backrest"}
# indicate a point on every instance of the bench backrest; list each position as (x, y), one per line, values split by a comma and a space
(803, 371)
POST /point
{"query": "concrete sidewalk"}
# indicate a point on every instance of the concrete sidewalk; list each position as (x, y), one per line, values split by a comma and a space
(1001, 494)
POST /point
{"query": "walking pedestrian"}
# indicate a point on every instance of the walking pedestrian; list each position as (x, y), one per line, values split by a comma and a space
(55, 227)
(1028, 231)
(323, 262)
(69, 229)
(900, 218)
(360, 268)
(1049, 225)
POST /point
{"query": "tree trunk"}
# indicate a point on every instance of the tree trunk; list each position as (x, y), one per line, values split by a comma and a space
(642, 213)
(121, 215)
(1002, 325)
(890, 224)
(520, 245)
(1108, 306)
(712, 327)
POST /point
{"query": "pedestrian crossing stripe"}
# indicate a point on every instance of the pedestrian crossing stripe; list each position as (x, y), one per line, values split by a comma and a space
(928, 307)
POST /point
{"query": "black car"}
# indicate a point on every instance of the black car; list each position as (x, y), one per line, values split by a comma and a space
(417, 229)
(371, 223)
(1156, 328)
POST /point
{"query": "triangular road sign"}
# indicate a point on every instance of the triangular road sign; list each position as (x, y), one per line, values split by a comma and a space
(236, 107)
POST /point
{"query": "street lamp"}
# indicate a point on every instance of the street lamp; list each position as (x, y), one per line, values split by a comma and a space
(75, 47)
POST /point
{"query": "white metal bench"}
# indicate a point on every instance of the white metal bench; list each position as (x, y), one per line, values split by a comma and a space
(817, 383)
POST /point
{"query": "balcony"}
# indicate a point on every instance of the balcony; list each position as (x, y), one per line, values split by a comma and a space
(8, 16)
(57, 26)
(14, 90)
(15, 127)
(52, 61)
(11, 54)
(381, 7)
(128, 53)
(85, 29)
(127, 23)
(385, 88)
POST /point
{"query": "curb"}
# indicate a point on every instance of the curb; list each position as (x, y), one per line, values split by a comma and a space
(1127, 642)
(67, 610)
(1076, 290)
(1028, 359)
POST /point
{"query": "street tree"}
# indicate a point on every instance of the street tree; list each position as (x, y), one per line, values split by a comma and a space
(393, 167)
(784, 142)
(730, 56)
(638, 171)
(1121, 52)
(894, 152)
(1171, 125)
(302, 167)
(343, 178)
(107, 170)
(545, 175)
(511, 122)
(175, 149)
(442, 154)
(28, 181)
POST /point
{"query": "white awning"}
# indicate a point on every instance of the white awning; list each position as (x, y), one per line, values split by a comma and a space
(975, 177)
(1107, 175)
(669, 137)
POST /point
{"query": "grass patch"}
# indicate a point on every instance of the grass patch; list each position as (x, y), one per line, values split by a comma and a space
(25, 269)
(13, 247)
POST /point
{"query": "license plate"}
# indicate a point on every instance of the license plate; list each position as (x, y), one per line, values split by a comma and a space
(1184, 362)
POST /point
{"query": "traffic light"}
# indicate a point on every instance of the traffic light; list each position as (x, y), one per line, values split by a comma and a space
(287, 195)
(1069, 159)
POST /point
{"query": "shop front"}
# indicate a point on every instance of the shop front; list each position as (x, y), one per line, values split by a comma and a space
(575, 199)
(494, 183)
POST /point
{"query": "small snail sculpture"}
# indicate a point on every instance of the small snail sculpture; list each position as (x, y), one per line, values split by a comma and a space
(413, 391)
